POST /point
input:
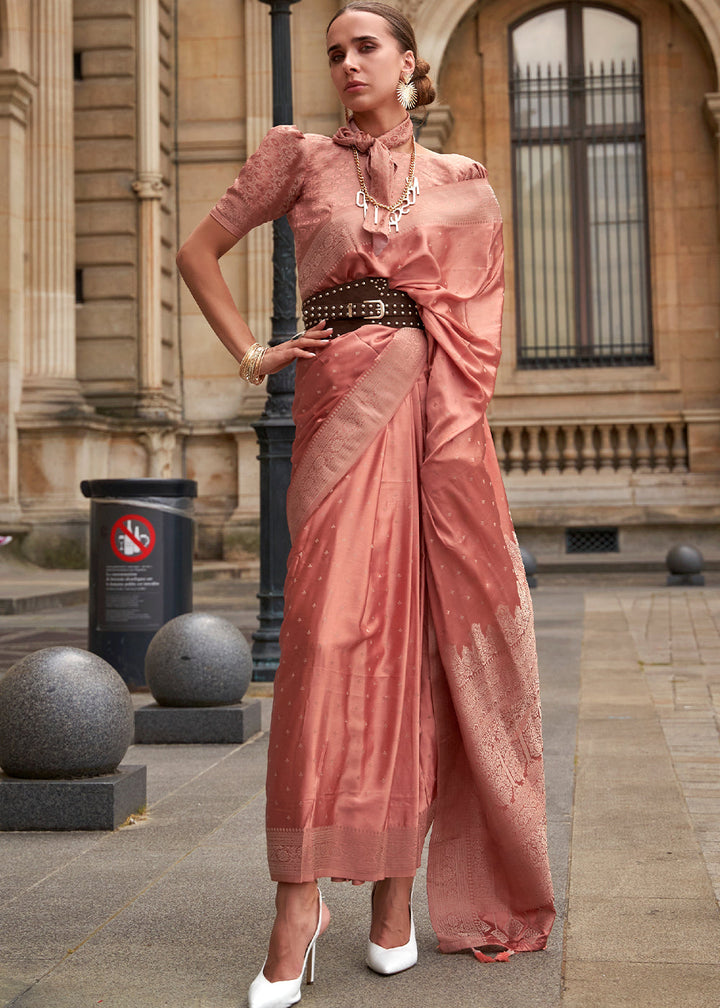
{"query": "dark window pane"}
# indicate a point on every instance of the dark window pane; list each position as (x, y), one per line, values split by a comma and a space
(579, 185)
(541, 41)
(545, 260)
(617, 243)
(609, 38)
(539, 66)
(613, 97)
(540, 99)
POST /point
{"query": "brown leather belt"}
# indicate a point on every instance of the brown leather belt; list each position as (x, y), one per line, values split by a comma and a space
(350, 305)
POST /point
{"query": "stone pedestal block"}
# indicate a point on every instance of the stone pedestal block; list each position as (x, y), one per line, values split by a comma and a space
(703, 434)
(696, 580)
(231, 723)
(93, 803)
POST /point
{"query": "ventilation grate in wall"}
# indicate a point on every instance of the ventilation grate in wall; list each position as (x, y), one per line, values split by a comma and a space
(591, 540)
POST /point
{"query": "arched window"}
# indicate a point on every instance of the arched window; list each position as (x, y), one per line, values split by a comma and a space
(580, 217)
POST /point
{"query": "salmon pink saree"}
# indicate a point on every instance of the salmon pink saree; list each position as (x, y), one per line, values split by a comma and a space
(407, 694)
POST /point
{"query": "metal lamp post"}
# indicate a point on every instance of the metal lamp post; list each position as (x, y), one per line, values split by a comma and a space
(275, 429)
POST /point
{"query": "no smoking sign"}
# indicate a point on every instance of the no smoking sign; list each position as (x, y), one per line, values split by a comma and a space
(132, 538)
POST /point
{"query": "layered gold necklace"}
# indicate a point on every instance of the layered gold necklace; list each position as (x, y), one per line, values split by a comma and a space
(401, 206)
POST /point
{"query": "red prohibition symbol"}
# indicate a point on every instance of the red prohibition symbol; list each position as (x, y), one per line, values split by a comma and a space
(132, 538)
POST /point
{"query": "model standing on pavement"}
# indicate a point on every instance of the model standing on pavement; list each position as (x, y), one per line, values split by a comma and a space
(407, 693)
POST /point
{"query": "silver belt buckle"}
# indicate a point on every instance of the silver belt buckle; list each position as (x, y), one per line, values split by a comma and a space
(370, 311)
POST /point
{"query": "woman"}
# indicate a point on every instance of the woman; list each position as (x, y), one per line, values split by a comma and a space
(407, 691)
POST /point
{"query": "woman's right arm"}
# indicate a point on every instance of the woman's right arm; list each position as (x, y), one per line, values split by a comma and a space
(199, 264)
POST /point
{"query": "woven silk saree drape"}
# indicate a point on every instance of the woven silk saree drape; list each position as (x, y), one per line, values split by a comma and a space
(407, 694)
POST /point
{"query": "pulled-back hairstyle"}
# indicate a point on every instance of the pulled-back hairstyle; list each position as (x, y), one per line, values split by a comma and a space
(404, 35)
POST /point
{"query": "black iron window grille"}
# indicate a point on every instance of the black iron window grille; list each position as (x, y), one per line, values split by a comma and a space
(592, 540)
(580, 206)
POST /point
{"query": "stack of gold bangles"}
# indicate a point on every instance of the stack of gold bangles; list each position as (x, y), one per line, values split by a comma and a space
(251, 363)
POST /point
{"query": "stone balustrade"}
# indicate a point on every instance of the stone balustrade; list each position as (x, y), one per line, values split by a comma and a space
(569, 447)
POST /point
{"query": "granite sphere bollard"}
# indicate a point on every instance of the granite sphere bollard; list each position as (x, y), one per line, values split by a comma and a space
(684, 559)
(64, 713)
(198, 660)
(685, 564)
(530, 567)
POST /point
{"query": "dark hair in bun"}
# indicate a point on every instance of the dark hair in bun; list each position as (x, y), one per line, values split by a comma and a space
(404, 35)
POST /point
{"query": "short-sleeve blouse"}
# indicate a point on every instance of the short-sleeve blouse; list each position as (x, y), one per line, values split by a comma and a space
(313, 180)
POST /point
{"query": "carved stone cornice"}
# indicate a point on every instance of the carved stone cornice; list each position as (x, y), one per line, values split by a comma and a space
(17, 92)
(47, 396)
(711, 108)
(437, 128)
(210, 152)
(213, 141)
(159, 443)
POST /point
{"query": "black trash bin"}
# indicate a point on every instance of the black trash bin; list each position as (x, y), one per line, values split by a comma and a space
(141, 546)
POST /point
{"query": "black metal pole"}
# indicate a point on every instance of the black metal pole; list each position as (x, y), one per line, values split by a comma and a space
(275, 429)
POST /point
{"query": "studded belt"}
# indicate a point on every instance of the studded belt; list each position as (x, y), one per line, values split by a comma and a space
(350, 305)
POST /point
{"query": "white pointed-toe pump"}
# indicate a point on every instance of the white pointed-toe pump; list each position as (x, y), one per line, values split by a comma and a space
(284, 993)
(393, 960)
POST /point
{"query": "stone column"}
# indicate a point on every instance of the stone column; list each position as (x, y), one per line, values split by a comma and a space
(16, 94)
(258, 89)
(148, 187)
(241, 531)
(703, 424)
(50, 383)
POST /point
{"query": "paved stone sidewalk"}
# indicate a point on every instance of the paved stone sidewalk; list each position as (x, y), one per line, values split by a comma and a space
(643, 924)
(175, 910)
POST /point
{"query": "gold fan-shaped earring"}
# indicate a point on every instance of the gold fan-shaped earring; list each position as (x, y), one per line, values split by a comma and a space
(406, 93)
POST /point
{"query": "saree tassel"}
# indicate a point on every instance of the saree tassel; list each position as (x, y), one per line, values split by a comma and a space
(501, 955)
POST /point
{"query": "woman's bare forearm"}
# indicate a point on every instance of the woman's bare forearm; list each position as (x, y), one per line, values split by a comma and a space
(199, 266)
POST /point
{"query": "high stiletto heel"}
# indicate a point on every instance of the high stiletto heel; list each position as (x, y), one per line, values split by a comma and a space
(393, 960)
(284, 993)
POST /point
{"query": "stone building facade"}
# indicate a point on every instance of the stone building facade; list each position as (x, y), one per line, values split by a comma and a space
(121, 123)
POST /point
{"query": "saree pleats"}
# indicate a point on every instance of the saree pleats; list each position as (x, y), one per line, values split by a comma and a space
(351, 771)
